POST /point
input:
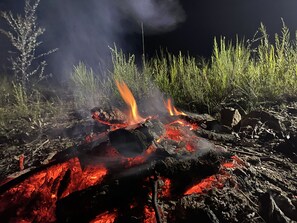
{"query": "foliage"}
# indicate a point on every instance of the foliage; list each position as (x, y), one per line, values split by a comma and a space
(24, 110)
(125, 69)
(243, 73)
(24, 34)
(89, 89)
(236, 73)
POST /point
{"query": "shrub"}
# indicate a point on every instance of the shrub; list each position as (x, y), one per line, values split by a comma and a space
(24, 34)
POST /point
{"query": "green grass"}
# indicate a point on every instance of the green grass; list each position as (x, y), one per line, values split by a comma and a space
(138, 79)
(236, 71)
(23, 110)
(243, 73)
(88, 89)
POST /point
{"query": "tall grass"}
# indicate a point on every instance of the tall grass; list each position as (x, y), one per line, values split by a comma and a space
(138, 79)
(247, 73)
(89, 89)
(236, 71)
(24, 110)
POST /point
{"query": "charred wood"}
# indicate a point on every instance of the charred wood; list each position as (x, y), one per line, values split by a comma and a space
(117, 190)
(216, 136)
(133, 141)
(154, 183)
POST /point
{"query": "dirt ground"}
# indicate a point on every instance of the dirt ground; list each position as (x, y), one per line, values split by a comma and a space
(264, 189)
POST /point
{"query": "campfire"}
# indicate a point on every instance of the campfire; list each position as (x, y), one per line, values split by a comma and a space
(132, 172)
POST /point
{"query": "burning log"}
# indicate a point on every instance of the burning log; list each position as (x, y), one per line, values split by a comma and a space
(63, 156)
(132, 141)
(129, 142)
(119, 190)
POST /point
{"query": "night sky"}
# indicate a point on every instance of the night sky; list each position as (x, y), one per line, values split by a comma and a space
(83, 30)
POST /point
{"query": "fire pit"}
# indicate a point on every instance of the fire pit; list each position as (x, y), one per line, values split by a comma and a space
(154, 169)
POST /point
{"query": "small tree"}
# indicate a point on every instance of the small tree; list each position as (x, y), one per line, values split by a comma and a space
(24, 34)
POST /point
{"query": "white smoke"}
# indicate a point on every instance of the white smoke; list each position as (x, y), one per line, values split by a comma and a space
(84, 30)
(157, 15)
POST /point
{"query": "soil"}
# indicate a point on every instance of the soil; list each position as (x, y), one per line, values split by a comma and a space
(264, 189)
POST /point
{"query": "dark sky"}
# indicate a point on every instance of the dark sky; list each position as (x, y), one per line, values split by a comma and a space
(206, 19)
(83, 30)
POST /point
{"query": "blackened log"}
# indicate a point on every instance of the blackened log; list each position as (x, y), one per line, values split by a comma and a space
(119, 190)
(207, 127)
(110, 115)
(156, 207)
(83, 206)
(216, 136)
(188, 170)
(147, 132)
(131, 141)
(60, 157)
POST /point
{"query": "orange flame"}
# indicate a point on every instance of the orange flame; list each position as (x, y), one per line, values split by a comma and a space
(129, 99)
(171, 109)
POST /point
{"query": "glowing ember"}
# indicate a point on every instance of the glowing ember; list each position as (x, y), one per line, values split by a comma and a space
(149, 215)
(106, 217)
(165, 192)
(180, 130)
(130, 162)
(44, 188)
(129, 99)
(234, 163)
(151, 149)
(217, 180)
(173, 133)
(171, 109)
(21, 161)
(184, 123)
(202, 186)
(96, 117)
(190, 147)
(229, 165)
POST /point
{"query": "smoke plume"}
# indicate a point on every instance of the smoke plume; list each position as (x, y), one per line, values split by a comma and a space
(84, 30)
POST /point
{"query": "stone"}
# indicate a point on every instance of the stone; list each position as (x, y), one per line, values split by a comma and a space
(230, 117)
(270, 120)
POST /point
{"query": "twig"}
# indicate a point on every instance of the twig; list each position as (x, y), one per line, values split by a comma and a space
(262, 158)
(251, 202)
(155, 200)
(244, 152)
(42, 144)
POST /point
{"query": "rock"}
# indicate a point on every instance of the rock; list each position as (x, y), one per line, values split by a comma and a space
(270, 211)
(230, 117)
(288, 147)
(286, 205)
(292, 110)
(270, 120)
(262, 125)
(226, 129)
